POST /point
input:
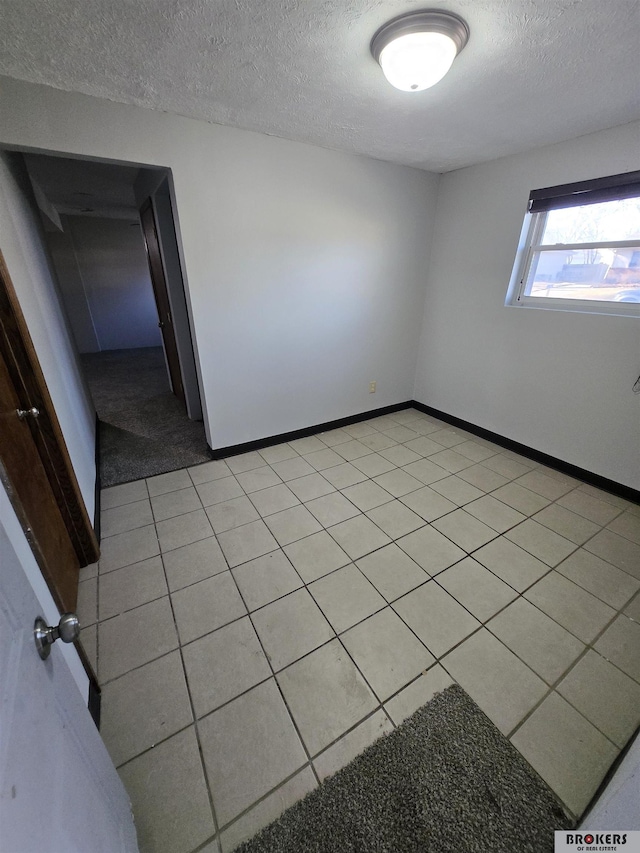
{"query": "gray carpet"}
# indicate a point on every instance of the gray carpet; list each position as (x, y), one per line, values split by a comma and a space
(144, 429)
(445, 781)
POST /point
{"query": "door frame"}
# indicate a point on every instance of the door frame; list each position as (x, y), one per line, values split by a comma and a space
(22, 361)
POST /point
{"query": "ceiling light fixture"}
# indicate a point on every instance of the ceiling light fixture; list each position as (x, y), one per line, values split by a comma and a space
(415, 51)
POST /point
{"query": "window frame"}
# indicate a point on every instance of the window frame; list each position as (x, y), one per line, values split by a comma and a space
(529, 246)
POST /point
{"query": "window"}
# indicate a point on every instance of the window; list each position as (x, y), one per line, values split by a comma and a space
(580, 248)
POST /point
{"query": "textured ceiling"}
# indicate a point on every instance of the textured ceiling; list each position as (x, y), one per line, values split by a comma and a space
(534, 71)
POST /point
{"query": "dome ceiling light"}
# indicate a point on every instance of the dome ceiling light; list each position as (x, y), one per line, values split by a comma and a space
(415, 51)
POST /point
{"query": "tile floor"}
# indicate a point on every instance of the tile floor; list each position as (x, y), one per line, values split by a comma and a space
(256, 622)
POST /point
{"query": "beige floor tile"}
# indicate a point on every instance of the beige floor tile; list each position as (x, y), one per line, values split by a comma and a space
(222, 665)
(265, 579)
(175, 503)
(217, 491)
(426, 471)
(310, 444)
(246, 543)
(144, 707)
(627, 525)
(424, 446)
(524, 500)
(392, 572)
(386, 652)
(169, 796)
(617, 550)
(543, 543)
(418, 693)
(326, 695)
(359, 536)
(507, 467)
(476, 588)
(601, 495)
(183, 530)
(400, 433)
(132, 586)
(277, 453)
(448, 437)
(206, 605)
(435, 617)
(428, 504)
(124, 494)
(570, 754)
(343, 475)
(604, 695)
(476, 452)
(315, 556)
(333, 437)
(359, 430)
(516, 567)
(605, 581)
(322, 459)
(398, 482)
(215, 470)
(346, 597)
(549, 487)
(291, 627)
(483, 478)
(268, 809)
(451, 461)
(367, 495)
(456, 490)
(88, 572)
(258, 478)
(89, 642)
(332, 509)
(400, 455)
(87, 604)
(249, 747)
(373, 464)
(590, 507)
(309, 487)
(620, 644)
(192, 563)
(351, 450)
(395, 519)
(536, 639)
(376, 442)
(465, 530)
(504, 687)
(127, 548)
(244, 462)
(126, 517)
(431, 550)
(494, 513)
(135, 638)
(573, 527)
(574, 608)
(292, 524)
(233, 513)
(352, 744)
(633, 610)
(168, 482)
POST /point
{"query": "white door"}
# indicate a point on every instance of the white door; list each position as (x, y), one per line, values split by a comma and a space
(59, 790)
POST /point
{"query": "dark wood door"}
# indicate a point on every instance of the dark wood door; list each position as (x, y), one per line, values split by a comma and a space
(159, 282)
(34, 462)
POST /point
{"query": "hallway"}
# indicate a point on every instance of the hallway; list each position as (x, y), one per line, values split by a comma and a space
(256, 622)
(144, 430)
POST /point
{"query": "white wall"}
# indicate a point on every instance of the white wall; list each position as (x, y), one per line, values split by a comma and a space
(555, 381)
(113, 267)
(305, 267)
(22, 244)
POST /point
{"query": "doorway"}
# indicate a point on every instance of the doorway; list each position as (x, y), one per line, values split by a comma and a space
(111, 234)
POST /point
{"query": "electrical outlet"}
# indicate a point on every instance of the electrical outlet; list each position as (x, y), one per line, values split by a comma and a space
(372, 387)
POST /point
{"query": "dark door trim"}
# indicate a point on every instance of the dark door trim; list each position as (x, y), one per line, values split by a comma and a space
(22, 362)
